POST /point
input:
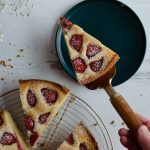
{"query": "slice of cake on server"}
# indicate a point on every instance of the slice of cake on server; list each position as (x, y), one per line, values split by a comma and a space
(90, 58)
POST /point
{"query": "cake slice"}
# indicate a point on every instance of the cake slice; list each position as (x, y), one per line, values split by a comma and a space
(79, 139)
(10, 137)
(41, 100)
(90, 58)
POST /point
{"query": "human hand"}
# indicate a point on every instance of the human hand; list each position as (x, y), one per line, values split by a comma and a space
(143, 135)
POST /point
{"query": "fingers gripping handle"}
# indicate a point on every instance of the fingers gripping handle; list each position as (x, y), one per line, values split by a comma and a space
(126, 113)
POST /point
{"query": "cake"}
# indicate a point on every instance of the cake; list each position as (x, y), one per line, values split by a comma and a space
(89, 57)
(79, 139)
(41, 101)
(10, 137)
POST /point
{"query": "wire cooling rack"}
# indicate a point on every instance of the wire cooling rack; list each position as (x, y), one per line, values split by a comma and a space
(70, 115)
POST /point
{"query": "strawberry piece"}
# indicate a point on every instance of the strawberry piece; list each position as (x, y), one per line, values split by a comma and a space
(65, 23)
(43, 117)
(49, 95)
(79, 65)
(29, 123)
(83, 146)
(8, 139)
(1, 121)
(76, 42)
(33, 138)
(96, 65)
(70, 139)
(19, 145)
(92, 50)
(31, 98)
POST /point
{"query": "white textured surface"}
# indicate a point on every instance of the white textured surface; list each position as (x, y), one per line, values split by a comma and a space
(36, 33)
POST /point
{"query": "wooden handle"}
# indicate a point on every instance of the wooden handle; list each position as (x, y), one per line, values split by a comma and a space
(126, 113)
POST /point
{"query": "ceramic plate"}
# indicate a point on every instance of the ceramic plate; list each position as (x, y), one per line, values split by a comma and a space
(116, 26)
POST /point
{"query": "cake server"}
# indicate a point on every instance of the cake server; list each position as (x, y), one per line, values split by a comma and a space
(118, 102)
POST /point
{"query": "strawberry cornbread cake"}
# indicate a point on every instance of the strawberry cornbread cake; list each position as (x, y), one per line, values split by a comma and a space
(10, 137)
(90, 58)
(79, 139)
(41, 100)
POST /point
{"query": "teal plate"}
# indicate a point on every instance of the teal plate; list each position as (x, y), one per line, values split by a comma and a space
(116, 26)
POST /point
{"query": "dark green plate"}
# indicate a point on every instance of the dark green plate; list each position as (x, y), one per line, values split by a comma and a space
(116, 26)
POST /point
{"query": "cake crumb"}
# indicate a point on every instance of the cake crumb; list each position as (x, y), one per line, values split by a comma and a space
(11, 66)
(9, 59)
(3, 63)
(95, 124)
(18, 56)
(21, 50)
(112, 122)
(73, 98)
(10, 43)
(2, 79)
(30, 64)
(123, 123)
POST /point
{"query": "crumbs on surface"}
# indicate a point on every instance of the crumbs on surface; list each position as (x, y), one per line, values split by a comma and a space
(10, 43)
(95, 124)
(73, 98)
(30, 64)
(10, 66)
(112, 122)
(3, 63)
(18, 56)
(9, 59)
(21, 50)
(20, 8)
(2, 79)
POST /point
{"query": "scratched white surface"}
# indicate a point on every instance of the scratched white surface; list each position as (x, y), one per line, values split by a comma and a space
(36, 34)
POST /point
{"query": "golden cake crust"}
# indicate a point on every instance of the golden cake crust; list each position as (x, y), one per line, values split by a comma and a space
(33, 82)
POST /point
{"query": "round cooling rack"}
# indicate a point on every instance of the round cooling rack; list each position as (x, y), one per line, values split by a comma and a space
(73, 111)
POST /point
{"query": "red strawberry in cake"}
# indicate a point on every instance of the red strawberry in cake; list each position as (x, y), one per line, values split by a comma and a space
(90, 58)
(41, 100)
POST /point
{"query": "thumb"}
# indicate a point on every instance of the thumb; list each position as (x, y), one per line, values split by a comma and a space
(143, 136)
